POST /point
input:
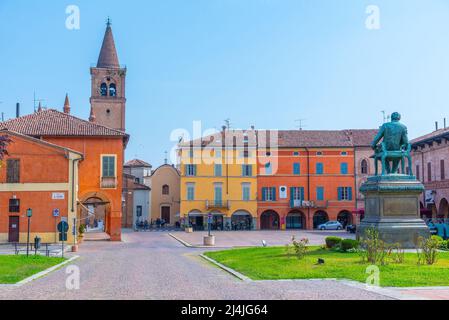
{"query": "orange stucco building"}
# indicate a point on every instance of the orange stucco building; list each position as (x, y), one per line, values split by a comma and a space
(40, 176)
(101, 141)
(308, 178)
(100, 171)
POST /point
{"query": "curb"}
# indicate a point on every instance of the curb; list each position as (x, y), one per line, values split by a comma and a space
(44, 273)
(189, 245)
(229, 270)
(184, 243)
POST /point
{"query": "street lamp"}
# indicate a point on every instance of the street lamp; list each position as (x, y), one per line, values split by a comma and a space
(29, 215)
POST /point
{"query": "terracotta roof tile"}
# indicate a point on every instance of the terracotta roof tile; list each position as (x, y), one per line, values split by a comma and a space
(297, 138)
(54, 123)
(137, 163)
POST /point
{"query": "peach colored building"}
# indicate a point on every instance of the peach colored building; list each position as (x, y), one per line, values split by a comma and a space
(431, 161)
(165, 184)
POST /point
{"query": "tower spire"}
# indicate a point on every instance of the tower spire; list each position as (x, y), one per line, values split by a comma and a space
(108, 55)
(67, 104)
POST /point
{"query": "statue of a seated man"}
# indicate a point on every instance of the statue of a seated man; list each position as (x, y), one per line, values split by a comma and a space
(395, 146)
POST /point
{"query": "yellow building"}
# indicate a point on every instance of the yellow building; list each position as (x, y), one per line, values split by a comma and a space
(219, 181)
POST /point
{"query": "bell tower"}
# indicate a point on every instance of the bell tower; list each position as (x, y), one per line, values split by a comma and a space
(108, 100)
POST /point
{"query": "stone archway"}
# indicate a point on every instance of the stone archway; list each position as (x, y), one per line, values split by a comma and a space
(320, 217)
(345, 218)
(296, 220)
(443, 209)
(269, 220)
(241, 220)
(94, 212)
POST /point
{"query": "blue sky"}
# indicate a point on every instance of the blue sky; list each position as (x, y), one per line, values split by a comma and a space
(258, 62)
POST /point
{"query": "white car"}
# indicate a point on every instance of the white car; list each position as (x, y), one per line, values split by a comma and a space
(331, 225)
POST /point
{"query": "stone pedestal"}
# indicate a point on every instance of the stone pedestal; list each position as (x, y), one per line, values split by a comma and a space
(209, 241)
(392, 207)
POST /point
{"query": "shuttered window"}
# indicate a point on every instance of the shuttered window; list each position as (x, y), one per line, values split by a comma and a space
(108, 167)
(13, 171)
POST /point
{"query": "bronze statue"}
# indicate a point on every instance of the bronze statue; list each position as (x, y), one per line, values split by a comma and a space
(394, 148)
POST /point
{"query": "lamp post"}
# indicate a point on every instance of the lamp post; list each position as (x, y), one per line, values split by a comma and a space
(29, 215)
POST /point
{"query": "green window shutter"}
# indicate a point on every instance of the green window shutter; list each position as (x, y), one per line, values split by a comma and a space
(320, 193)
(340, 193)
(319, 168)
(250, 171)
(350, 194)
(264, 198)
(274, 193)
(302, 193)
(344, 168)
(296, 169)
(292, 197)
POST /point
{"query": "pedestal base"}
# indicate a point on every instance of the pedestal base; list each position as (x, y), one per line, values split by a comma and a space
(404, 232)
(392, 208)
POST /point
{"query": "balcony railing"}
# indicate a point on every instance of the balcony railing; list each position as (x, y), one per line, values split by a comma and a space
(109, 182)
(217, 204)
(301, 204)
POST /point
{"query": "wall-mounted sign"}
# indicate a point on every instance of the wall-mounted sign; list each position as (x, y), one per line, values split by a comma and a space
(430, 196)
(283, 192)
(58, 196)
(56, 213)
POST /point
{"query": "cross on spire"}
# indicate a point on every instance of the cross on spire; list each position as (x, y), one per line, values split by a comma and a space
(108, 22)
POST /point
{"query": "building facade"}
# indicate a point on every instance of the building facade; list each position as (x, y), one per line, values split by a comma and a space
(287, 180)
(430, 160)
(100, 172)
(136, 195)
(165, 186)
(307, 181)
(219, 178)
(40, 176)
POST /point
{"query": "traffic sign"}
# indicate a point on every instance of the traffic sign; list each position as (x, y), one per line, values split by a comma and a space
(63, 227)
(63, 236)
(56, 213)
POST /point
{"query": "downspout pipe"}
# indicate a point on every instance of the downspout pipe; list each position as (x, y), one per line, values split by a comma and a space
(308, 184)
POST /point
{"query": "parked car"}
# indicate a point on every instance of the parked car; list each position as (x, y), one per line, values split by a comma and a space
(351, 228)
(331, 225)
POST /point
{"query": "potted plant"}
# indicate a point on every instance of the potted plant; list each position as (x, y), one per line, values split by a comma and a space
(81, 232)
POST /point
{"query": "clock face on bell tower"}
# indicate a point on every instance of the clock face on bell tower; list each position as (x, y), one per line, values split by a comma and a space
(108, 99)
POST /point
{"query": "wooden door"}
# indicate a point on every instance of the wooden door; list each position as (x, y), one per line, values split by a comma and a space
(14, 232)
(165, 214)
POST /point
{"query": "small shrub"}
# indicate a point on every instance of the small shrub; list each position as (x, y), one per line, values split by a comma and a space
(374, 250)
(332, 242)
(427, 250)
(397, 253)
(300, 247)
(349, 244)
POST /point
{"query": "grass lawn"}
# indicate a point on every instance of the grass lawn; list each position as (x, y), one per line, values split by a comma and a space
(16, 268)
(274, 264)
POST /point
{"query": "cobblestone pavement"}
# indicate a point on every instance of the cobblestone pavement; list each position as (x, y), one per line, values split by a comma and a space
(255, 238)
(155, 266)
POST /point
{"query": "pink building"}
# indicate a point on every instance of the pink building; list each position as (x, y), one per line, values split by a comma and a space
(430, 161)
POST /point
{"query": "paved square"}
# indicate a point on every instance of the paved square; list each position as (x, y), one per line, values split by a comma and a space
(228, 239)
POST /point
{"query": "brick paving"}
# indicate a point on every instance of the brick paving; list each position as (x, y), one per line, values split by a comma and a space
(155, 266)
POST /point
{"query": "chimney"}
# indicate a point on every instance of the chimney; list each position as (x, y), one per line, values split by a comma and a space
(444, 123)
(436, 125)
(17, 110)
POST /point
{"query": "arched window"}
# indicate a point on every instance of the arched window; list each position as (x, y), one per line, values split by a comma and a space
(112, 90)
(166, 190)
(104, 90)
(364, 167)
